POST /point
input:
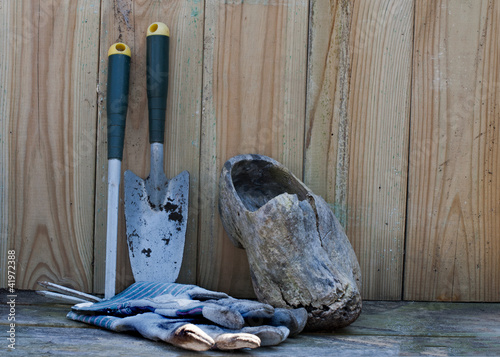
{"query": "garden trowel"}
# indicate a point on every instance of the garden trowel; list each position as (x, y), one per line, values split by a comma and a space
(156, 208)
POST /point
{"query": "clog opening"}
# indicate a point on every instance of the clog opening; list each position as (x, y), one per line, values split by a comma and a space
(257, 182)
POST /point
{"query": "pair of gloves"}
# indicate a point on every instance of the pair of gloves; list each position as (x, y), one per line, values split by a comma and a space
(191, 317)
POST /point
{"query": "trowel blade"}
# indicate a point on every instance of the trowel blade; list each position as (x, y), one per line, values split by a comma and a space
(156, 235)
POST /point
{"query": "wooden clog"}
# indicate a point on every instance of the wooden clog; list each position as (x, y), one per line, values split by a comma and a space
(298, 252)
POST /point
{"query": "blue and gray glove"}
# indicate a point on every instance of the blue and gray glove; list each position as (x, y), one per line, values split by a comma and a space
(191, 317)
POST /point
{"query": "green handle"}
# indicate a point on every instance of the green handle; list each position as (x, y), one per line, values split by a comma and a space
(157, 79)
(117, 97)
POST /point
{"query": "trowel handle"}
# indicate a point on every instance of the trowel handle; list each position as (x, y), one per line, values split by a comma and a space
(157, 79)
(117, 97)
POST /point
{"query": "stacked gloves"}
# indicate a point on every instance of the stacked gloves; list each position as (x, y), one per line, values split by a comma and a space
(191, 317)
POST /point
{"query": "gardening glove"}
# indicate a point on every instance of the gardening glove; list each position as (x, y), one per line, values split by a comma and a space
(169, 312)
(187, 333)
(178, 300)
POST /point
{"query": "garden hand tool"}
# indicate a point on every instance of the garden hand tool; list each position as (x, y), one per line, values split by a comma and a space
(65, 295)
(117, 103)
(156, 208)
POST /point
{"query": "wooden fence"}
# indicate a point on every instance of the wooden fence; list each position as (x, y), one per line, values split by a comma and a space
(389, 109)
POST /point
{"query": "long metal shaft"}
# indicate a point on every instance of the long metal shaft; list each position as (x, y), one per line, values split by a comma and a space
(114, 171)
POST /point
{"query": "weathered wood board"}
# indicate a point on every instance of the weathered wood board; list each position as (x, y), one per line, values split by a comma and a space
(255, 58)
(357, 128)
(383, 329)
(326, 139)
(49, 117)
(6, 64)
(128, 21)
(453, 245)
(379, 116)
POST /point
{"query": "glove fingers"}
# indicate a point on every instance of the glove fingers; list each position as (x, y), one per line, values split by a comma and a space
(223, 316)
(191, 337)
(155, 327)
(247, 308)
(268, 335)
(294, 319)
(226, 339)
(198, 293)
(236, 341)
(211, 310)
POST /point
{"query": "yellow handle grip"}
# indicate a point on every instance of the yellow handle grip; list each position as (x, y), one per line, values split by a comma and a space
(158, 28)
(119, 48)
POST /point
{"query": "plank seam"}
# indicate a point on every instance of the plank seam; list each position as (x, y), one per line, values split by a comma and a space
(408, 167)
(304, 137)
(199, 222)
(98, 50)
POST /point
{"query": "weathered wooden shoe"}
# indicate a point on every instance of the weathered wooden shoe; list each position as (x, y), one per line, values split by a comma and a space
(298, 252)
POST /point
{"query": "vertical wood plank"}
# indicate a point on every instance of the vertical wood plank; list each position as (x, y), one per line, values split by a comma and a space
(255, 62)
(379, 113)
(7, 19)
(359, 76)
(326, 142)
(453, 243)
(51, 112)
(127, 20)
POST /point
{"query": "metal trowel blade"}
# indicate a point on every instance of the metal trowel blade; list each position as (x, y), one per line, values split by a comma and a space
(156, 233)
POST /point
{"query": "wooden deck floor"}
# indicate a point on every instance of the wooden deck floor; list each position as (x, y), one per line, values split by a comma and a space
(383, 329)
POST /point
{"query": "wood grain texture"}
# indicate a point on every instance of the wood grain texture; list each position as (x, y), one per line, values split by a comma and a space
(255, 55)
(383, 329)
(325, 87)
(52, 118)
(326, 151)
(453, 243)
(7, 17)
(378, 109)
(127, 21)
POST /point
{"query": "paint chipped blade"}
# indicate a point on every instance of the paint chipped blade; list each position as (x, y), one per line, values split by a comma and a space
(156, 235)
